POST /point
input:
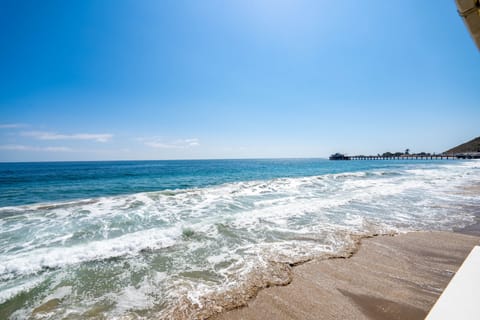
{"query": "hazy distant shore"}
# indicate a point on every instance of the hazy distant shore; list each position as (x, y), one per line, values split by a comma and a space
(390, 277)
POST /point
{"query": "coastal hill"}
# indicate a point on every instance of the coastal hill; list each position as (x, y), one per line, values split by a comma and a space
(470, 146)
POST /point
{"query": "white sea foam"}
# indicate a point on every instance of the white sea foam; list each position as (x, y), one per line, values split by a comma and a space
(51, 258)
(19, 286)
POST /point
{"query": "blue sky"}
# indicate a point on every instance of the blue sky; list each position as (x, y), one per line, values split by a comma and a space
(99, 80)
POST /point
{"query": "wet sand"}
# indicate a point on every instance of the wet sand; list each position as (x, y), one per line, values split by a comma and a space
(390, 277)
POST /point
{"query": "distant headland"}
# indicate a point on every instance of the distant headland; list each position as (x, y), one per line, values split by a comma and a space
(467, 150)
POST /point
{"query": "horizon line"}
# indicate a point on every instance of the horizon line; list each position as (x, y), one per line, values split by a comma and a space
(196, 159)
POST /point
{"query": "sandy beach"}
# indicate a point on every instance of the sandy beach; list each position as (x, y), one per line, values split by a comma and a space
(389, 277)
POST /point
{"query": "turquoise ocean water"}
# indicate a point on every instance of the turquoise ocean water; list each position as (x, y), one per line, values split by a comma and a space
(162, 239)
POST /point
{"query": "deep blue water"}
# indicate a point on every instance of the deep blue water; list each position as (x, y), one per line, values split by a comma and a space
(27, 183)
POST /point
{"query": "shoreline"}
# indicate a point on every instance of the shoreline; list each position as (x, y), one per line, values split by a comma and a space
(383, 277)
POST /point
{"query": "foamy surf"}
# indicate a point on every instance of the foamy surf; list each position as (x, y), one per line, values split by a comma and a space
(189, 253)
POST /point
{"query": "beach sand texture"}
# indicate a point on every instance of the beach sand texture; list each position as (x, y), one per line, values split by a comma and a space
(390, 277)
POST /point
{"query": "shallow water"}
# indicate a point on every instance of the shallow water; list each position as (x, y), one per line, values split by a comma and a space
(80, 240)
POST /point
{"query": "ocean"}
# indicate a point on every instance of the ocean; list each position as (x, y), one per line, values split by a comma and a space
(185, 239)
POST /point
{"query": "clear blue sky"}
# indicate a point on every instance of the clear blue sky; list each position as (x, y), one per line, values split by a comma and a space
(93, 80)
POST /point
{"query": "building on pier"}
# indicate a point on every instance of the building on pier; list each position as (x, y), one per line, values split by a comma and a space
(339, 156)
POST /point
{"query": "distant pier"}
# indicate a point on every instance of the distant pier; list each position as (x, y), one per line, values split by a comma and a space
(436, 157)
(470, 155)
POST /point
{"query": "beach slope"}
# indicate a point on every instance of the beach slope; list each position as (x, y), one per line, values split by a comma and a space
(390, 277)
